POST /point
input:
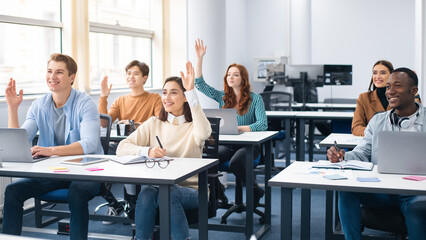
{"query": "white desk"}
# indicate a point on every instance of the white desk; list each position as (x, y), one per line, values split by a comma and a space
(251, 139)
(286, 117)
(177, 171)
(291, 178)
(344, 140)
(326, 106)
(311, 116)
(302, 117)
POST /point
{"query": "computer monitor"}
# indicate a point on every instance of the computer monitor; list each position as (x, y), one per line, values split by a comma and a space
(305, 79)
(260, 66)
(337, 74)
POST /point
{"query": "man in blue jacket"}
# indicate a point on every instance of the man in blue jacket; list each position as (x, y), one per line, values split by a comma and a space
(401, 90)
(68, 124)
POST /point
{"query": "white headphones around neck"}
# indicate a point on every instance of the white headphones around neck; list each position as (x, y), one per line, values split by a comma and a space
(403, 122)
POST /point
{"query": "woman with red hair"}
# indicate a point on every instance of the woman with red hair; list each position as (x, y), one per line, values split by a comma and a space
(250, 108)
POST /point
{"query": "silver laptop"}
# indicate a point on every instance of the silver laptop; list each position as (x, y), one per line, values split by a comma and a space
(16, 147)
(228, 120)
(402, 153)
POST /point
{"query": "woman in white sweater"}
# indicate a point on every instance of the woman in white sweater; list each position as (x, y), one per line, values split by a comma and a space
(182, 128)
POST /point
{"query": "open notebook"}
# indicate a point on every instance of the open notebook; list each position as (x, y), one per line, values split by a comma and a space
(349, 164)
(136, 159)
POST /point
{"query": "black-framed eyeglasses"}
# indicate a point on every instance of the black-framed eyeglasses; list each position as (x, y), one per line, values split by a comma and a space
(161, 162)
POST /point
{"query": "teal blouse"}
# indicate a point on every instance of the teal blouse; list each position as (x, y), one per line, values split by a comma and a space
(255, 117)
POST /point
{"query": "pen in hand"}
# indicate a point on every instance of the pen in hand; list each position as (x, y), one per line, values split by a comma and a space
(338, 150)
(159, 143)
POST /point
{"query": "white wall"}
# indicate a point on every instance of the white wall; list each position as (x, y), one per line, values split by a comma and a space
(268, 28)
(360, 32)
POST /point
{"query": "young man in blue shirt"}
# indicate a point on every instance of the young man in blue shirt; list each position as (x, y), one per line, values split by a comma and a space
(68, 124)
(401, 90)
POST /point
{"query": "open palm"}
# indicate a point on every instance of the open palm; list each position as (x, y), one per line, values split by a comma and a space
(200, 49)
(188, 81)
(12, 99)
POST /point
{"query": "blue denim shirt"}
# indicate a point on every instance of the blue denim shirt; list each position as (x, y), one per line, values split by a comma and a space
(82, 122)
(367, 149)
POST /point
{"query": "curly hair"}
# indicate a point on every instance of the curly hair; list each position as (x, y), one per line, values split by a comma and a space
(230, 98)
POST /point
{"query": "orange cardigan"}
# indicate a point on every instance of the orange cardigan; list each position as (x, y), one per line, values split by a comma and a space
(367, 105)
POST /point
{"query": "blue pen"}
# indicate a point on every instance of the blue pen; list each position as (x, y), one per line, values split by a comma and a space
(158, 140)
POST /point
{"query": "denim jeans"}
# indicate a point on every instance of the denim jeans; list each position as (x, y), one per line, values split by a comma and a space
(181, 199)
(412, 207)
(79, 195)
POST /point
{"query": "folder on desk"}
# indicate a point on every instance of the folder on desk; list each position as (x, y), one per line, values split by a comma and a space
(350, 164)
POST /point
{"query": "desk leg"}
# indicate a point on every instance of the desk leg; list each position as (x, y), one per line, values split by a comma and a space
(311, 140)
(328, 214)
(268, 165)
(249, 191)
(287, 142)
(300, 140)
(305, 225)
(202, 205)
(165, 212)
(286, 213)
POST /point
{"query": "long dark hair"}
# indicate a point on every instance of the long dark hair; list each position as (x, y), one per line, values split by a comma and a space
(385, 63)
(186, 110)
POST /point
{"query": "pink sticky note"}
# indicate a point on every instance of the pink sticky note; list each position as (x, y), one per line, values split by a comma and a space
(62, 170)
(415, 178)
(94, 169)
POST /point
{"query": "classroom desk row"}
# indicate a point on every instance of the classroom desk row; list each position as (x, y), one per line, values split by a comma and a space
(301, 117)
(133, 174)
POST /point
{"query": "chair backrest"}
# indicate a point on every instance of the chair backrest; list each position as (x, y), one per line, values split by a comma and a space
(272, 97)
(106, 123)
(211, 145)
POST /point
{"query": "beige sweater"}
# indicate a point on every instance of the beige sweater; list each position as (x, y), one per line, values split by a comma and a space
(185, 140)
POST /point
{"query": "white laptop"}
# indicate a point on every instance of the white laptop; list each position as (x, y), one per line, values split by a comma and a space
(16, 147)
(228, 120)
(402, 153)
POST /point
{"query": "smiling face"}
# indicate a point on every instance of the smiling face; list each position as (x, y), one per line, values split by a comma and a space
(400, 91)
(173, 98)
(57, 77)
(380, 75)
(134, 77)
(233, 78)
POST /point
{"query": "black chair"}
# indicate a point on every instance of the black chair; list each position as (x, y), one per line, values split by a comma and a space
(384, 220)
(60, 195)
(276, 100)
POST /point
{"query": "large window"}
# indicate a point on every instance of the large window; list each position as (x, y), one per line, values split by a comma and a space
(119, 33)
(29, 32)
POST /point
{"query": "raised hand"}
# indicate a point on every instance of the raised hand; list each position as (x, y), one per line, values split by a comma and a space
(200, 49)
(105, 90)
(188, 81)
(13, 100)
